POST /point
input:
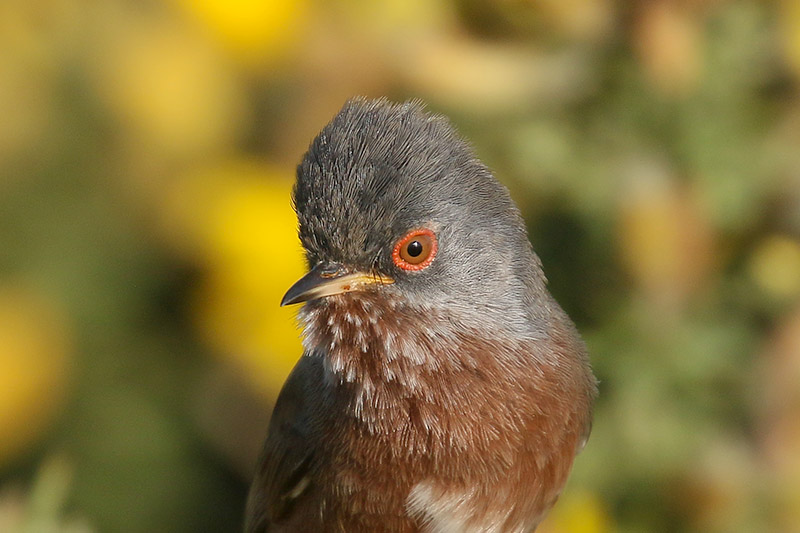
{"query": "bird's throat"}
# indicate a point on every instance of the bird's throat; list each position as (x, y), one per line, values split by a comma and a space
(369, 340)
(385, 357)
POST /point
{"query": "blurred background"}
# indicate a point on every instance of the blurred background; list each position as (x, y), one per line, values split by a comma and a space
(147, 150)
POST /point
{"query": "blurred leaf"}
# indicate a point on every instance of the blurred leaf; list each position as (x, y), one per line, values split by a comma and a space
(717, 491)
(41, 510)
(492, 77)
(666, 241)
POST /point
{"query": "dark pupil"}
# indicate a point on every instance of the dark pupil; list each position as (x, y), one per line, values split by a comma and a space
(414, 248)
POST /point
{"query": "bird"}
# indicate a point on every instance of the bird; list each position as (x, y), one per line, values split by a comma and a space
(441, 387)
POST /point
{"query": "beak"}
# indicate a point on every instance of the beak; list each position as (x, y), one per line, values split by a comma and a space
(327, 279)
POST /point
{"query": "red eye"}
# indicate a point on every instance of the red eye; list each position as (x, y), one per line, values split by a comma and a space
(416, 250)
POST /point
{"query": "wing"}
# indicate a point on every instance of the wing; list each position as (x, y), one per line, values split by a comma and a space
(282, 481)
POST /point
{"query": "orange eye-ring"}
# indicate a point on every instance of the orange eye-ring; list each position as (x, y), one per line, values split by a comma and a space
(416, 250)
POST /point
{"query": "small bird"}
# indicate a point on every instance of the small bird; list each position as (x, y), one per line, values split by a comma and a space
(441, 388)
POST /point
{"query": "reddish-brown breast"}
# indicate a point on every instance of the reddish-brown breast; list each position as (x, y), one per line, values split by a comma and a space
(413, 421)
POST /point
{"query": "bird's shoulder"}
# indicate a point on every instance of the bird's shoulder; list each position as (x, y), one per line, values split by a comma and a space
(282, 480)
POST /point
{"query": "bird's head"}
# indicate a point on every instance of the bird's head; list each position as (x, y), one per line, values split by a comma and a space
(391, 201)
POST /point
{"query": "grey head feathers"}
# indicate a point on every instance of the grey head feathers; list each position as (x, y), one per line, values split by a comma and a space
(379, 170)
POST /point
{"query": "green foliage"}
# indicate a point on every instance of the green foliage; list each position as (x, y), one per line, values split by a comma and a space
(652, 148)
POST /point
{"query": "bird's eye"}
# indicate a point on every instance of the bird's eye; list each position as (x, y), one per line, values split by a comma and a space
(415, 250)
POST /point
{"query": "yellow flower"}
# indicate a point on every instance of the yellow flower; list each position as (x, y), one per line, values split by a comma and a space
(33, 369)
(775, 266)
(237, 222)
(171, 94)
(789, 19)
(577, 512)
(254, 31)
